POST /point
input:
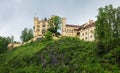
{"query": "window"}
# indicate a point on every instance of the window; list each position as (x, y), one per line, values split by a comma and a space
(38, 26)
(78, 33)
(44, 29)
(91, 36)
(43, 25)
(86, 38)
(91, 31)
(38, 29)
(83, 34)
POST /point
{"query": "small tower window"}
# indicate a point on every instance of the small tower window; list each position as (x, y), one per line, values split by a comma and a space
(43, 25)
(38, 29)
(38, 26)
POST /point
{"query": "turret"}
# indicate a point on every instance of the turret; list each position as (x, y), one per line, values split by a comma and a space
(91, 21)
(63, 25)
(63, 22)
(35, 20)
(35, 26)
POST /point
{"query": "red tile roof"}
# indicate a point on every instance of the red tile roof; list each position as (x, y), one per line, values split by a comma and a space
(71, 25)
(84, 26)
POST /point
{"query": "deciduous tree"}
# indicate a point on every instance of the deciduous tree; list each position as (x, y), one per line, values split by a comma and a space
(107, 29)
(26, 34)
(54, 23)
(4, 41)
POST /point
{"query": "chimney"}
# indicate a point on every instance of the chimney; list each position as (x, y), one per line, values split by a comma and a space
(90, 21)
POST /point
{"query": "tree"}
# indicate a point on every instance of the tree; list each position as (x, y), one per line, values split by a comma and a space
(4, 41)
(48, 36)
(12, 39)
(53, 23)
(30, 33)
(116, 27)
(26, 35)
(107, 29)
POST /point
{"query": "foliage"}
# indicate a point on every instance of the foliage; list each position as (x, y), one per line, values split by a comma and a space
(54, 23)
(107, 29)
(4, 41)
(66, 55)
(26, 34)
(48, 36)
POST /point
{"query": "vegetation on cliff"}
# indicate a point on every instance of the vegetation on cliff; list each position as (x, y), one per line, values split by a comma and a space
(66, 55)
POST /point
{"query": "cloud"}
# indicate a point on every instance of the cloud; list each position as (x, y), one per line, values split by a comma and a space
(15, 15)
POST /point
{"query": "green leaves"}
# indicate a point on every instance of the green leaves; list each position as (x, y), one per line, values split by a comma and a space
(66, 55)
(4, 41)
(107, 31)
(53, 23)
(26, 35)
(48, 36)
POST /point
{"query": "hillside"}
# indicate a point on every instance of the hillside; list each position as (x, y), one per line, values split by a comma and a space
(67, 55)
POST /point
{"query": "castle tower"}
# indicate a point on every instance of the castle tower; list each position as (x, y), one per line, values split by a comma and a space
(63, 25)
(35, 26)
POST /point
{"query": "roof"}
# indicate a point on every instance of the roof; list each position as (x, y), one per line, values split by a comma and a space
(84, 26)
(71, 25)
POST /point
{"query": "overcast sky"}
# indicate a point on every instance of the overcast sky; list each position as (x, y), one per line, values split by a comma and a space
(15, 15)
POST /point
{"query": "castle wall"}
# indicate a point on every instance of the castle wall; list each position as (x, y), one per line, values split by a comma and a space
(87, 34)
(40, 27)
(69, 31)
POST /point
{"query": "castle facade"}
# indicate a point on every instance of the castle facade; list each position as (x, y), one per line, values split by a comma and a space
(84, 32)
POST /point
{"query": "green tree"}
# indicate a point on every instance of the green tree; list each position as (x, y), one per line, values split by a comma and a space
(12, 39)
(107, 29)
(4, 41)
(54, 23)
(116, 27)
(48, 36)
(26, 35)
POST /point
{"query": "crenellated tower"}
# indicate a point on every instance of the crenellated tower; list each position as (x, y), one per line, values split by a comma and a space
(35, 26)
(63, 25)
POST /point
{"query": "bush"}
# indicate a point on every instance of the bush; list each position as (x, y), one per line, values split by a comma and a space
(48, 36)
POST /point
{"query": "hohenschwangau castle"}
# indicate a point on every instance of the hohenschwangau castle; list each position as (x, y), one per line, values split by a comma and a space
(84, 32)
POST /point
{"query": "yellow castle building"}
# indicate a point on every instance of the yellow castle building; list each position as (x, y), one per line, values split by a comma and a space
(87, 31)
(40, 27)
(84, 32)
